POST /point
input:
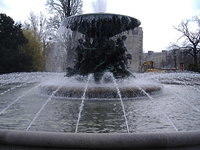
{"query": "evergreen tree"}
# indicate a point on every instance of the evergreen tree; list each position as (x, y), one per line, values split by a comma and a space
(12, 59)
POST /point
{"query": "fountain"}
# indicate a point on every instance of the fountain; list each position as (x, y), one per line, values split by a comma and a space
(97, 52)
(99, 94)
(100, 50)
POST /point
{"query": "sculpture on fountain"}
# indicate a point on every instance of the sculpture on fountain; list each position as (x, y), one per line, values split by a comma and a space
(98, 51)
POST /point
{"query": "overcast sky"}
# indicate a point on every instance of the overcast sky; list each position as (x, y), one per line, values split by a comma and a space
(157, 16)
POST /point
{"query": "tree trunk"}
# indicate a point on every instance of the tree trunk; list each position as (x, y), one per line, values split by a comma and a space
(68, 8)
(175, 59)
(195, 58)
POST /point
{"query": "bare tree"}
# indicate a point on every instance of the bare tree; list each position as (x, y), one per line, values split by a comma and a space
(38, 24)
(62, 9)
(190, 30)
(174, 49)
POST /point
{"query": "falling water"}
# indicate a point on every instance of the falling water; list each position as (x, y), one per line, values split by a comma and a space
(141, 89)
(122, 104)
(151, 98)
(82, 103)
(164, 114)
(38, 113)
(20, 97)
(13, 88)
(170, 121)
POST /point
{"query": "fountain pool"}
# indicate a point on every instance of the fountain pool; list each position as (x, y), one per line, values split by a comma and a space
(26, 105)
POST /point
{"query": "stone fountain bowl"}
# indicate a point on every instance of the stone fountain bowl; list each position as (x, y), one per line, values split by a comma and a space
(100, 92)
(101, 24)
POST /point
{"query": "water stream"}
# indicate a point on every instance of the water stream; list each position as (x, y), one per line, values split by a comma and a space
(151, 98)
(121, 101)
(43, 106)
(13, 88)
(82, 103)
(17, 99)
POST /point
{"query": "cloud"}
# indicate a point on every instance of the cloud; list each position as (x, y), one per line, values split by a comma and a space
(2, 5)
(100, 6)
(196, 4)
(157, 17)
(20, 9)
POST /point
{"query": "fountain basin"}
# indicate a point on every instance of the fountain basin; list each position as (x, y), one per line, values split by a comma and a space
(176, 108)
(94, 24)
(99, 92)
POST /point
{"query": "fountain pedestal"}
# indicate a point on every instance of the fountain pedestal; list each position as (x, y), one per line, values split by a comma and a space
(101, 50)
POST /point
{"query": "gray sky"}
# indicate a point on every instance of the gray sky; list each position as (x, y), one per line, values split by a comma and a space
(157, 16)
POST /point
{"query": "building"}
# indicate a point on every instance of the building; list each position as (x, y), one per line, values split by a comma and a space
(171, 59)
(134, 45)
(158, 59)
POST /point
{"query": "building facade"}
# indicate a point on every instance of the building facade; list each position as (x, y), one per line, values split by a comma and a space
(134, 45)
(158, 59)
(171, 59)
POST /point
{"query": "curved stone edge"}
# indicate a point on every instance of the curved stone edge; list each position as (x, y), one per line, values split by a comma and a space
(44, 140)
(100, 92)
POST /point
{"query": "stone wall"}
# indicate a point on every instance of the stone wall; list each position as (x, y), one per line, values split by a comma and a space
(134, 44)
